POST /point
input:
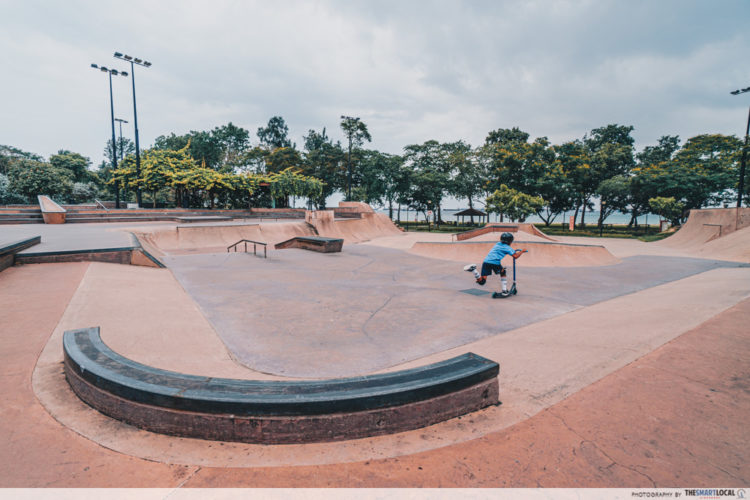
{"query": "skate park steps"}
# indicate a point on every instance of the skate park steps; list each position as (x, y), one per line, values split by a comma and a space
(8, 251)
(276, 411)
(314, 243)
(20, 215)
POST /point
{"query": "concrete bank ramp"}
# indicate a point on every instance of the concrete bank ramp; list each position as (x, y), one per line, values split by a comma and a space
(216, 238)
(213, 238)
(368, 226)
(541, 254)
(706, 225)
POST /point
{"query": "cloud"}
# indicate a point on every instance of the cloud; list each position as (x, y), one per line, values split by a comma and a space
(413, 71)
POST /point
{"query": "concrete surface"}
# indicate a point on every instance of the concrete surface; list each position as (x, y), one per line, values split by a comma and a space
(303, 314)
(675, 417)
(608, 391)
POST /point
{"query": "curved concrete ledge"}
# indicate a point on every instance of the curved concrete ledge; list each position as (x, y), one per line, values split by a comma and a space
(274, 412)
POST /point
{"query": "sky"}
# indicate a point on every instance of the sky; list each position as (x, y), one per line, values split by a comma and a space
(413, 71)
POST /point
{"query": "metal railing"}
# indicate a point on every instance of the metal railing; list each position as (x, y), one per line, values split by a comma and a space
(100, 204)
(255, 247)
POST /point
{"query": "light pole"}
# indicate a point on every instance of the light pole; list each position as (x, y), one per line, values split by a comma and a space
(134, 60)
(121, 121)
(111, 72)
(741, 186)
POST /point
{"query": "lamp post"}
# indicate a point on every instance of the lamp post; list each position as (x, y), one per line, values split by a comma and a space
(741, 186)
(111, 72)
(121, 121)
(134, 60)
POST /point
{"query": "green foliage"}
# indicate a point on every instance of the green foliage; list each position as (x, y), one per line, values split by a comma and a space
(513, 203)
(702, 173)
(292, 183)
(8, 197)
(667, 207)
(325, 161)
(614, 194)
(220, 149)
(30, 178)
(75, 163)
(430, 173)
(275, 135)
(9, 155)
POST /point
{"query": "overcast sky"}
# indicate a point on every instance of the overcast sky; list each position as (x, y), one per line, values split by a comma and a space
(412, 70)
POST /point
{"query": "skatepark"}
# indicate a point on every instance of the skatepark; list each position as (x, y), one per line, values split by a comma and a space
(621, 363)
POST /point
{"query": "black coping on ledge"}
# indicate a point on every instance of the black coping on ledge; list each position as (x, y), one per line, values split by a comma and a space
(95, 362)
(19, 245)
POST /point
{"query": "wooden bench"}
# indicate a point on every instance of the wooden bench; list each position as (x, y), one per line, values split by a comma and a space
(314, 243)
(274, 412)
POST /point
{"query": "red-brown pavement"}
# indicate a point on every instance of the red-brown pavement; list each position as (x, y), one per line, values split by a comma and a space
(37, 451)
(675, 417)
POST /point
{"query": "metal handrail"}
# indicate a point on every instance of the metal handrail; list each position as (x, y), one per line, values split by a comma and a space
(101, 205)
(255, 246)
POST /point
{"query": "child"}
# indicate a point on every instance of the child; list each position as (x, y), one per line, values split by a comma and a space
(492, 264)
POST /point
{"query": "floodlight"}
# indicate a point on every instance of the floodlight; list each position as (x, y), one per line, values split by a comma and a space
(124, 73)
(128, 58)
(138, 61)
(118, 54)
(104, 69)
(95, 66)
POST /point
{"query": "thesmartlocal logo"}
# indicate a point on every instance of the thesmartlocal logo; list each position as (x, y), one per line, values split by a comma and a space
(715, 493)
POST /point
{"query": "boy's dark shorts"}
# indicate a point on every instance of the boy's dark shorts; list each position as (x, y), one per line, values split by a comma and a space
(488, 269)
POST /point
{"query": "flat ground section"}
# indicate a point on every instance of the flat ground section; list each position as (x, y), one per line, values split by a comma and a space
(311, 315)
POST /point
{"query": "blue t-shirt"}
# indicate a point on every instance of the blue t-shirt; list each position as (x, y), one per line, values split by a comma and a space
(497, 253)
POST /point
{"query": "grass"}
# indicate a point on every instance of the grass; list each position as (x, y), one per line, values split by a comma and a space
(643, 233)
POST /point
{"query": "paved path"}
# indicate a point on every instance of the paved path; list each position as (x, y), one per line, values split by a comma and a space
(676, 417)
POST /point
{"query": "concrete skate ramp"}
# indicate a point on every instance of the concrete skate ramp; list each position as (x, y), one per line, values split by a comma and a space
(541, 254)
(367, 227)
(733, 247)
(707, 225)
(187, 239)
(499, 228)
(216, 238)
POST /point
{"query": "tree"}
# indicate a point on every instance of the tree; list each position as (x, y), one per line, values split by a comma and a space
(275, 134)
(9, 155)
(505, 136)
(324, 160)
(468, 177)
(614, 195)
(30, 178)
(74, 163)
(8, 197)
(602, 154)
(651, 157)
(291, 183)
(430, 175)
(380, 179)
(667, 208)
(556, 190)
(702, 173)
(356, 133)
(513, 203)
(124, 147)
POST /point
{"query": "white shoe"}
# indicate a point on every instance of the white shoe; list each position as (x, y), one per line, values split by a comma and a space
(470, 267)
